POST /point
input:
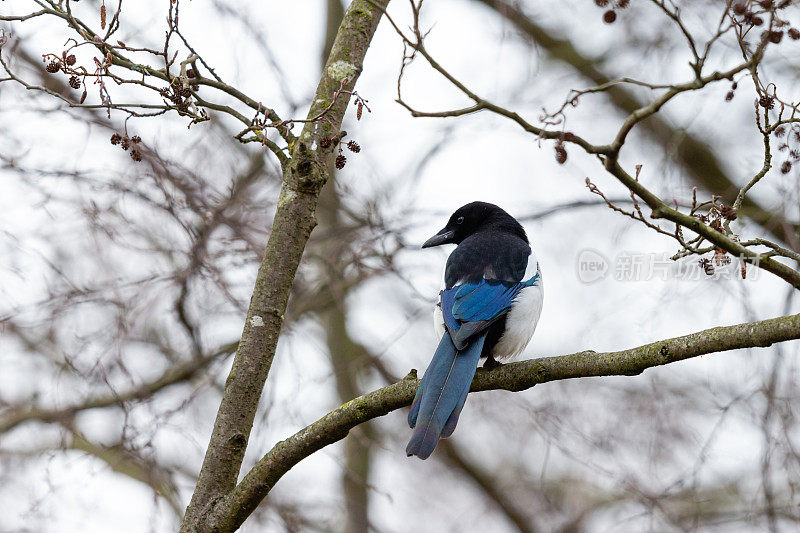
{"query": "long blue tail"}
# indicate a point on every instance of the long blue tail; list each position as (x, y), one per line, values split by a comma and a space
(441, 394)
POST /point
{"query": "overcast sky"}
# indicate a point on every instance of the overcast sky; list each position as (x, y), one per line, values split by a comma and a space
(480, 157)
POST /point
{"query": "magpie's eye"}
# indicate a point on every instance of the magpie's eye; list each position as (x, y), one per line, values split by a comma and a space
(459, 220)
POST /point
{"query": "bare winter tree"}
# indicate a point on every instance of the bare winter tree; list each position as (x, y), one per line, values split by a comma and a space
(149, 264)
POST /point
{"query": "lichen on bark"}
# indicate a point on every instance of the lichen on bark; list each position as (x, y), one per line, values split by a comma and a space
(304, 175)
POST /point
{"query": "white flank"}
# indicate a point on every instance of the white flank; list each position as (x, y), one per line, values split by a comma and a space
(438, 321)
(521, 323)
(522, 317)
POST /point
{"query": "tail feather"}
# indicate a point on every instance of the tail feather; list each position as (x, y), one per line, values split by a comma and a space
(441, 394)
(452, 420)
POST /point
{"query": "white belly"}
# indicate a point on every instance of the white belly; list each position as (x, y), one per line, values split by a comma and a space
(520, 323)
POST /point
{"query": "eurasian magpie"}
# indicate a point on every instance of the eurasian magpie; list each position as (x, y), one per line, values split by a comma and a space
(489, 307)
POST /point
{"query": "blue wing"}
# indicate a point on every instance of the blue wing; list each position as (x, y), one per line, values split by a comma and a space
(470, 308)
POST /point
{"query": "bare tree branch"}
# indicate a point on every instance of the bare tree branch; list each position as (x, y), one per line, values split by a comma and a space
(695, 155)
(487, 482)
(513, 377)
(14, 416)
(303, 178)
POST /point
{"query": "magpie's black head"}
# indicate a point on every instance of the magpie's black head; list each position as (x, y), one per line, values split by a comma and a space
(472, 218)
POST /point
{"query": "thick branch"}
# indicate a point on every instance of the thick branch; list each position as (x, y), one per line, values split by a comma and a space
(303, 177)
(512, 377)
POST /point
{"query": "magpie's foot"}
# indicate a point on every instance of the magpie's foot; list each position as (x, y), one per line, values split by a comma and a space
(491, 363)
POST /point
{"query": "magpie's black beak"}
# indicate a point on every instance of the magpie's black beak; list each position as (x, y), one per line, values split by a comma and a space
(443, 237)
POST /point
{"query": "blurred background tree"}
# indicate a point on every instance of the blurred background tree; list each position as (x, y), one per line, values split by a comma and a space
(127, 269)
